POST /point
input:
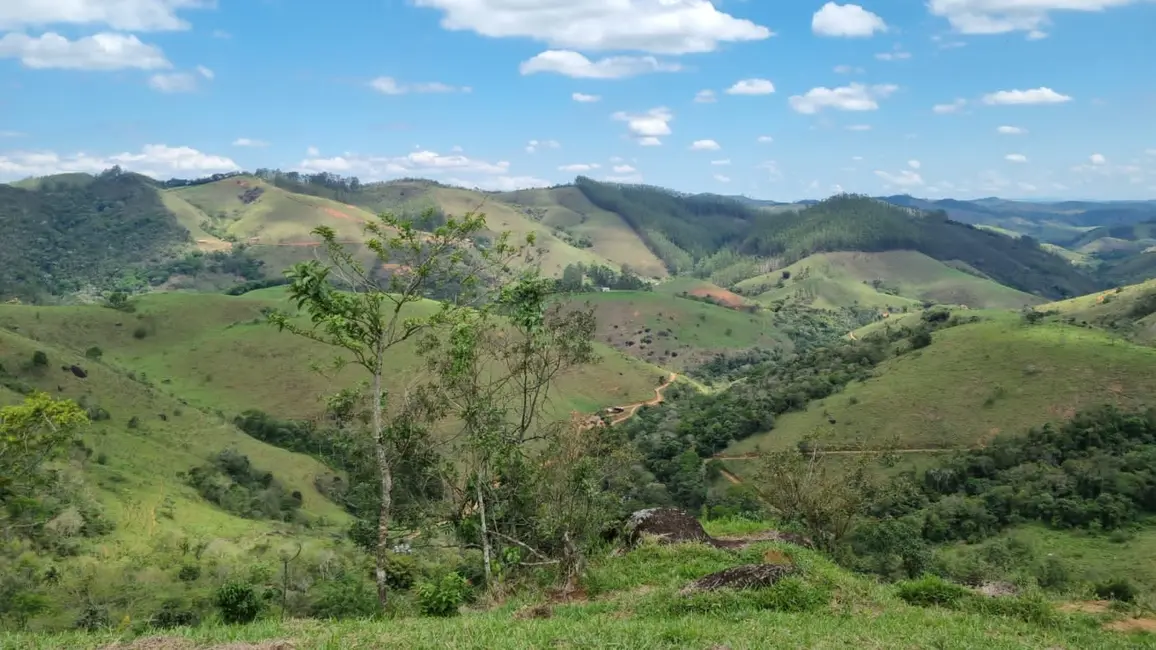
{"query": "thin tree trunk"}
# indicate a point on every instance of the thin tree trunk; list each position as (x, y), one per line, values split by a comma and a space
(385, 470)
(485, 532)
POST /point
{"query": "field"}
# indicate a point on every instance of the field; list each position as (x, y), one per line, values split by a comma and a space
(676, 332)
(633, 601)
(703, 289)
(888, 281)
(973, 382)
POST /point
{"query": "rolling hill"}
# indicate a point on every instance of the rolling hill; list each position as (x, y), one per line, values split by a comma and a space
(889, 281)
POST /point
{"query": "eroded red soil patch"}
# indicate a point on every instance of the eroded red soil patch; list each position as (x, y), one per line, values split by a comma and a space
(720, 296)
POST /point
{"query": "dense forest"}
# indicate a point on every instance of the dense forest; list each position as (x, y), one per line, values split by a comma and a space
(62, 237)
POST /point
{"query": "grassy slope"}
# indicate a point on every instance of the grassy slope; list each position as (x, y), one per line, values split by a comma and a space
(696, 329)
(568, 209)
(140, 473)
(1108, 307)
(191, 217)
(837, 280)
(217, 352)
(635, 604)
(937, 397)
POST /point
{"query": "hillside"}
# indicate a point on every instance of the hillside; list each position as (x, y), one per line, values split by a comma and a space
(65, 235)
(887, 281)
(1143, 235)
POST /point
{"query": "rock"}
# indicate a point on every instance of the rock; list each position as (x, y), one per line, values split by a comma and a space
(78, 371)
(745, 576)
(997, 589)
(669, 525)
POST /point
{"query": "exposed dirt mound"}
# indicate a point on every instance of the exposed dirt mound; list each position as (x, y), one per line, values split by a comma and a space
(719, 296)
(1133, 625)
(745, 576)
(1086, 607)
(669, 525)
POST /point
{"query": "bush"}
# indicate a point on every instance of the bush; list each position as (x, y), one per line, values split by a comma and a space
(1053, 574)
(237, 602)
(346, 597)
(39, 358)
(400, 571)
(930, 591)
(792, 594)
(173, 613)
(189, 573)
(1121, 589)
(920, 340)
(93, 619)
(442, 598)
(94, 353)
(140, 332)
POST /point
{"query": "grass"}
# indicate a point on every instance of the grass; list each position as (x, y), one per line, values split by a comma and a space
(634, 602)
(975, 381)
(1112, 308)
(676, 332)
(566, 209)
(833, 280)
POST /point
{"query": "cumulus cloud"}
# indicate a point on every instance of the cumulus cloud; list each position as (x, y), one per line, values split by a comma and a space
(1016, 158)
(914, 164)
(705, 97)
(658, 27)
(572, 64)
(752, 87)
(391, 86)
(647, 127)
(416, 163)
(127, 15)
(764, 139)
(722, 179)
(206, 73)
(953, 107)
(624, 169)
(846, 20)
(173, 82)
(583, 98)
(894, 55)
(1011, 130)
(1041, 95)
(533, 145)
(155, 160)
(501, 183)
(1097, 159)
(904, 178)
(104, 51)
(579, 167)
(250, 142)
(853, 97)
(704, 145)
(1002, 16)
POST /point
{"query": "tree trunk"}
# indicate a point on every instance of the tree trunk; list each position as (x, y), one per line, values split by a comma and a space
(385, 470)
(486, 551)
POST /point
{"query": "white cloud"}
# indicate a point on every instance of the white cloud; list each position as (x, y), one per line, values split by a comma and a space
(854, 97)
(127, 15)
(705, 97)
(904, 178)
(655, 26)
(847, 69)
(173, 82)
(1042, 95)
(724, 161)
(156, 160)
(704, 145)
(647, 127)
(416, 163)
(846, 20)
(1016, 158)
(579, 167)
(914, 164)
(624, 169)
(572, 64)
(752, 87)
(953, 107)
(858, 127)
(391, 86)
(1037, 35)
(205, 72)
(104, 51)
(1011, 130)
(501, 183)
(1002, 16)
(764, 139)
(249, 142)
(583, 98)
(312, 152)
(897, 55)
(722, 179)
(1097, 159)
(533, 145)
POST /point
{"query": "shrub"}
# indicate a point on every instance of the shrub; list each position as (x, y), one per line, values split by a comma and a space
(140, 332)
(1053, 573)
(189, 573)
(930, 591)
(793, 594)
(94, 353)
(92, 619)
(400, 571)
(920, 340)
(39, 358)
(1121, 589)
(237, 602)
(442, 598)
(346, 597)
(173, 613)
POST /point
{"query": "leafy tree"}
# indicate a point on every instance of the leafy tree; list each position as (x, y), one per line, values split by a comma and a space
(367, 321)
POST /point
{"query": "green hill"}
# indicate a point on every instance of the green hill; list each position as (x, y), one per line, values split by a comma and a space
(973, 382)
(889, 281)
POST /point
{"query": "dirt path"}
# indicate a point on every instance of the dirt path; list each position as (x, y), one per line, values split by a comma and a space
(630, 409)
(730, 477)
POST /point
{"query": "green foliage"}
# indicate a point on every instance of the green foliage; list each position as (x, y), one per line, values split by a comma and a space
(583, 278)
(237, 602)
(1121, 589)
(443, 597)
(174, 612)
(348, 596)
(94, 353)
(932, 591)
(401, 571)
(230, 481)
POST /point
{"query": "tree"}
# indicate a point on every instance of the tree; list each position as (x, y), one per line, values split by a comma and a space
(495, 371)
(368, 321)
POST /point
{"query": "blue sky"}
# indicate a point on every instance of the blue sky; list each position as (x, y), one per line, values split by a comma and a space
(782, 100)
